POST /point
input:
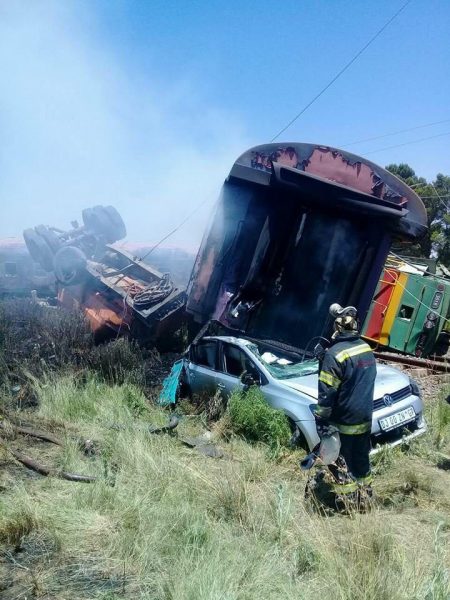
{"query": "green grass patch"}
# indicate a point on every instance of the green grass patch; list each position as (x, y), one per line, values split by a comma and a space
(69, 399)
(251, 417)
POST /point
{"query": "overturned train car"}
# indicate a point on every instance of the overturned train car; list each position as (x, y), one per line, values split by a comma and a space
(19, 274)
(118, 292)
(298, 227)
(410, 309)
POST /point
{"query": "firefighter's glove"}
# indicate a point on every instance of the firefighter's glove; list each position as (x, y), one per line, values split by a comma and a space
(324, 428)
(322, 424)
(319, 352)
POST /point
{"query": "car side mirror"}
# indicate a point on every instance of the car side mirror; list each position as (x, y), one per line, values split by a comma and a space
(247, 379)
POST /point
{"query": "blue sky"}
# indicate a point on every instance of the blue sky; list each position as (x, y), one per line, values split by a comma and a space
(146, 104)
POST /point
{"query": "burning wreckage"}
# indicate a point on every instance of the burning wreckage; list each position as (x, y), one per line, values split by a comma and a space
(119, 293)
(296, 228)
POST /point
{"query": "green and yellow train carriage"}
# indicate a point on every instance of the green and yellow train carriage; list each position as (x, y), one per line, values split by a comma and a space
(410, 310)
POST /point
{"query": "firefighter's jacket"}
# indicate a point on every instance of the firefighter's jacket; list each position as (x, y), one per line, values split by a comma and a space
(346, 384)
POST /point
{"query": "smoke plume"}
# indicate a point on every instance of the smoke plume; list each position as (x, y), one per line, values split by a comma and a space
(79, 128)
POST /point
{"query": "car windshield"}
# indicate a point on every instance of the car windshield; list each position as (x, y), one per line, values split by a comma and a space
(281, 368)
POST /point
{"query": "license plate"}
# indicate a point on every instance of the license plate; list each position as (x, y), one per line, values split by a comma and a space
(397, 419)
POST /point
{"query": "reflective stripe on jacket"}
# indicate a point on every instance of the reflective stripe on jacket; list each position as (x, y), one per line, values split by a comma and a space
(346, 384)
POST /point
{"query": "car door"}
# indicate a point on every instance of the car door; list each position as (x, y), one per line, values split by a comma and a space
(233, 363)
(202, 366)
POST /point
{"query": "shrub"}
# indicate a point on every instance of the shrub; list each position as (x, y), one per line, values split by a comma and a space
(251, 417)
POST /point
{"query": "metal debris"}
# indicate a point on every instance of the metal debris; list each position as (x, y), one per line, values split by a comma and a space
(119, 293)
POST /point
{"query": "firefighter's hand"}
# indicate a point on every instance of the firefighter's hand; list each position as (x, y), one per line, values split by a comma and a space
(319, 352)
(322, 428)
(322, 423)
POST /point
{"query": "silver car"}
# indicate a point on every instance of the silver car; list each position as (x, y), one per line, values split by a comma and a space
(229, 363)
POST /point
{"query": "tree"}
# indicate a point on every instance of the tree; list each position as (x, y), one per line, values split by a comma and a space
(436, 198)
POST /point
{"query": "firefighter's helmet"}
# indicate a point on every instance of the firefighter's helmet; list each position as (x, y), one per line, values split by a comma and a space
(345, 319)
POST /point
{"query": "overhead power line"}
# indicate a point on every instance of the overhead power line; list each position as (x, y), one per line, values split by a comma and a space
(185, 220)
(431, 197)
(422, 183)
(385, 135)
(168, 235)
(440, 197)
(431, 137)
(342, 71)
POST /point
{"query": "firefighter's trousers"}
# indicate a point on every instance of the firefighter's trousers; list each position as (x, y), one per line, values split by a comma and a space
(355, 451)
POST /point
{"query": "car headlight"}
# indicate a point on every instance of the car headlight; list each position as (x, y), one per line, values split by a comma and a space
(414, 387)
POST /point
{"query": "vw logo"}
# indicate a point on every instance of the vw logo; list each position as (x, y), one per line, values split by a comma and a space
(387, 399)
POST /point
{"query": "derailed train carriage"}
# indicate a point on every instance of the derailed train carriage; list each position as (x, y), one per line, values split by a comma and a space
(298, 227)
(118, 292)
(410, 309)
(19, 274)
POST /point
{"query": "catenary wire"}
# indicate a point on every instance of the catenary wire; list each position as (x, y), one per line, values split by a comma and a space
(440, 197)
(342, 71)
(431, 137)
(437, 195)
(431, 197)
(385, 135)
(425, 184)
(185, 220)
(411, 264)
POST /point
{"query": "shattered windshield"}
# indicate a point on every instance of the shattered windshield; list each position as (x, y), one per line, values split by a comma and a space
(282, 368)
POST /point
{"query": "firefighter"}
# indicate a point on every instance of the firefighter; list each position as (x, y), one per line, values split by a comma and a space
(346, 386)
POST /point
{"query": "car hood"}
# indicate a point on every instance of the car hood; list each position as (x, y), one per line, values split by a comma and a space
(388, 380)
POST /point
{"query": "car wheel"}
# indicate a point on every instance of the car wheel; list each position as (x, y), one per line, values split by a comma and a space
(69, 265)
(38, 249)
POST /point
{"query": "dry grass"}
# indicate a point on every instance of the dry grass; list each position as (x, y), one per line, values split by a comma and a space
(164, 522)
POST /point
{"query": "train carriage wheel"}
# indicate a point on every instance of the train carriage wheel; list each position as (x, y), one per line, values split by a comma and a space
(104, 220)
(69, 265)
(116, 219)
(38, 249)
(50, 237)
